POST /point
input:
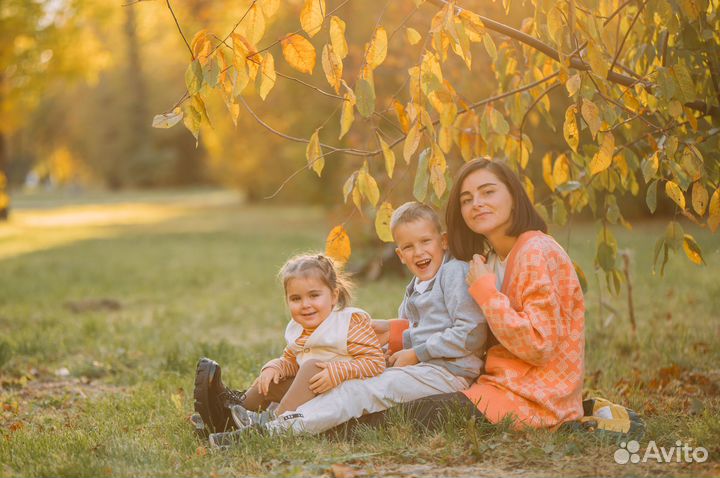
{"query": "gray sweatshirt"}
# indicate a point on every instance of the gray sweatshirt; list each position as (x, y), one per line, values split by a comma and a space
(447, 327)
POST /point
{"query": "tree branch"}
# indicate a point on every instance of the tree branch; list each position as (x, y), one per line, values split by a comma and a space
(627, 34)
(180, 29)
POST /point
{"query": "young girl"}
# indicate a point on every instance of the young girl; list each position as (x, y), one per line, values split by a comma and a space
(328, 342)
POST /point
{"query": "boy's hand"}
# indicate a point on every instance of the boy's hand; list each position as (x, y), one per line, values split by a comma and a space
(478, 268)
(321, 382)
(382, 330)
(403, 358)
(270, 374)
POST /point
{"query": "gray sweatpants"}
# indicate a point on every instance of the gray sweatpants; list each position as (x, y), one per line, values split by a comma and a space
(355, 398)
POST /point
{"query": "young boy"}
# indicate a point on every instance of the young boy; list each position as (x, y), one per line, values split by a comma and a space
(441, 349)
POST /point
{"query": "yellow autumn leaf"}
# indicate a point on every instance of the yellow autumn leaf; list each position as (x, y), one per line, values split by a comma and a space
(312, 16)
(402, 116)
(337, 37)
(597, 60)
(561, 170)
(267, 75)
(438, 166)
(269, 7)
(591, 114)
(674, 192)
(165, 120)
(253, 26)
(714, 211)
(382, 222)
(299, 53)
(337, 245)
(412, 36)
(692, 250)
(573, 84)
(412, 141)
(368, 186)
(547, 171)
(570, 128)
(474, 27)
(377, 49)
(347, 113)
(333, 67)
(201, 45)
(529, 188)
(603, 158)
(388, 155)
(699, 198)
(313, 153)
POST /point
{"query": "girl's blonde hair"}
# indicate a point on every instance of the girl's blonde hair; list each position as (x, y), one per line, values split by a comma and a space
(318, 265)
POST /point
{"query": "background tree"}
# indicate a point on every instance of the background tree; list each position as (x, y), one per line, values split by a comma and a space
(636, 83)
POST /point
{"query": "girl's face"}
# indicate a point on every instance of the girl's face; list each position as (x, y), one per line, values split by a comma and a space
(310, 300)
(485, 204)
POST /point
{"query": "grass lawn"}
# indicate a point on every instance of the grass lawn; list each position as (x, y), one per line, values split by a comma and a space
(106, 304)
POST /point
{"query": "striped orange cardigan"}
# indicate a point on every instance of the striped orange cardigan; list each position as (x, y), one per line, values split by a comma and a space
(534, 373)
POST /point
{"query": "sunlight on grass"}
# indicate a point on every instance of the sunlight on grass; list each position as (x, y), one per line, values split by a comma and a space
(33, 229)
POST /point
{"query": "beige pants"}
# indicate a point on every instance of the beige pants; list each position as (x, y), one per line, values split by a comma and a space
(355, 398)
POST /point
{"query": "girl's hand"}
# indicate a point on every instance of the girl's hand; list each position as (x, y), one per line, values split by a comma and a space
(478, 268)
(270, 374)
(382, 330)
(320, 382)
(403, 358)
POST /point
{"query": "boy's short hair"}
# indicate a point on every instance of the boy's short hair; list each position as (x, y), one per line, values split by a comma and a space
(413, 211)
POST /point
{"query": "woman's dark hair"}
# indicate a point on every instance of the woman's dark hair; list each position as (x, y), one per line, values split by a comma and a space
(524, 217)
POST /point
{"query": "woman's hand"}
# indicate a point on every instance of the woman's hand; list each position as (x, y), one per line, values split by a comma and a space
(382, 330)
(403, 358)
(321, 382)
(270, 374)
(478, 268)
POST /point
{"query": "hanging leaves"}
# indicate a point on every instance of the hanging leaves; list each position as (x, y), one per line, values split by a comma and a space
(692, 250)
(333, 67)
(422, 177)
(382, 222)
(388, 155)
(561, 171)
(337, 245)
(314, 155)
(367, 185)
(603, 158)
(194, 77)
(347, 113)
(591, 115)
(253, 26)
(365, 91)
(312, 16)
(438, 166)
(299, 53)
(675, 193)
(267, 76)
(714, 211)
(412, 141)
(377, 48)
(699, 198)
(337, 37)
(166, 120)
(570, 128)
(412, 35)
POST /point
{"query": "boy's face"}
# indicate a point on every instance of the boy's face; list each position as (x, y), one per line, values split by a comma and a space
(421, 247)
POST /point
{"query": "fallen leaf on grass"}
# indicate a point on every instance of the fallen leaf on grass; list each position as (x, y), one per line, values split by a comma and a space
(17, 426)
(342, 471)
(201, 451)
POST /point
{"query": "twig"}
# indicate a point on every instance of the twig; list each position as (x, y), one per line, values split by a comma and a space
(627, 34)
(192, 55)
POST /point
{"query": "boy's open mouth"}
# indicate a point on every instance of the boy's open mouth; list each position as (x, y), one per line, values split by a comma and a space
(423, 264)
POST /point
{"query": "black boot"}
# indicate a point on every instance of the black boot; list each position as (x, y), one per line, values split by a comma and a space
(213, 398)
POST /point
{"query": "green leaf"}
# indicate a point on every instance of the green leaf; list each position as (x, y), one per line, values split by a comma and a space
(490, 47)
(650, 167)
(422, 175)
(365, 95)
(605, 257)
(581, 277)
(651, 196)
(211, 72)
(194, 77)
(674, 235)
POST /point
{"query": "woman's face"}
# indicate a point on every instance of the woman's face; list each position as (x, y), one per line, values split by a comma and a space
(485, 203)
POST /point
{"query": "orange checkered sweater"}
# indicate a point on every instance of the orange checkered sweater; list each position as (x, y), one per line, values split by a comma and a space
(535, 371)
(362, 344)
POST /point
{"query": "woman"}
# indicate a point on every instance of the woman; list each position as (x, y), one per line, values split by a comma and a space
(527, 288)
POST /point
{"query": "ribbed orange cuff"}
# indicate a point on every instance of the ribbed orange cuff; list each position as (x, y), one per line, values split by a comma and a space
(397, 327)
(482, 289)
